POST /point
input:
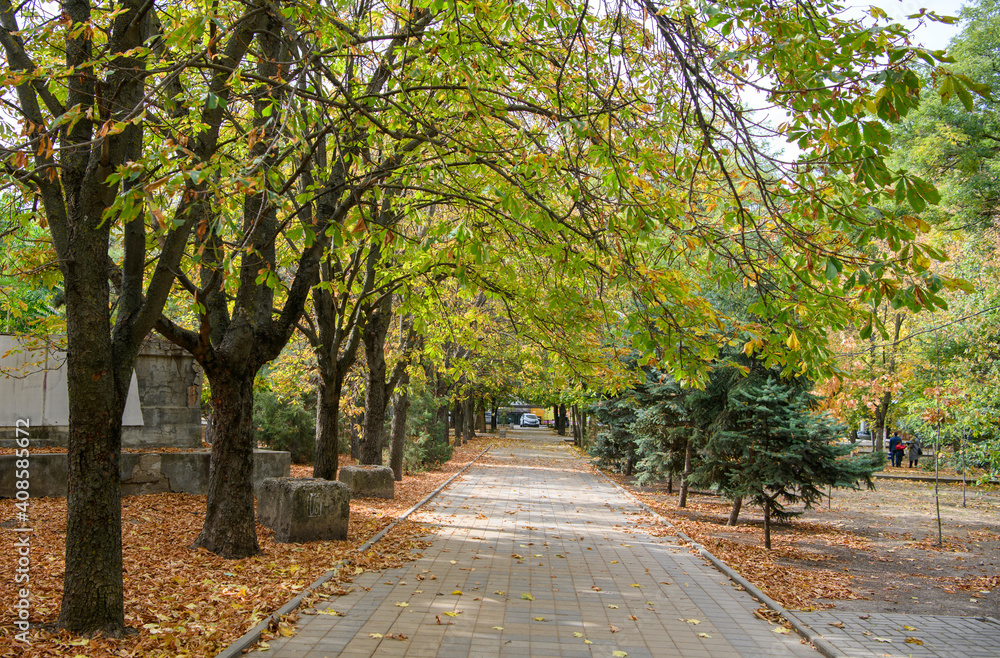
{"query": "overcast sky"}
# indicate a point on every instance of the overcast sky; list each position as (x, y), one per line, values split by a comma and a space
(931, 35)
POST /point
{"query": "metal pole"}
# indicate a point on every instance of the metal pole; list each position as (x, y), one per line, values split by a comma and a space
(937, 438)
(963, 466)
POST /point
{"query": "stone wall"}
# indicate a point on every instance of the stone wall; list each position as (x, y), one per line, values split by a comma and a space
(141, 473)
(163, 408)
(169, 396)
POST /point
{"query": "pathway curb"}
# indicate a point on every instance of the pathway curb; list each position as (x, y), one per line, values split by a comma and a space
(822, 644)
(252, 636)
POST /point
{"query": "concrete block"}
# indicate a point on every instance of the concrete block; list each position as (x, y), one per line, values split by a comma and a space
(304, 509)
(368, 481)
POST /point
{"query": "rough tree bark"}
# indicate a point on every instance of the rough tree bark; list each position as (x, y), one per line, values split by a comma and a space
(67, 167)
(335, 339)
(767, 522)
(734, 513)
(458, 419)
(357, 422)
(442, 419)
(469, 415)
(230, 486)
(373, 336)
(400, 398)
(885, 403)
(688, 447)
(327, 457)
(400, 409)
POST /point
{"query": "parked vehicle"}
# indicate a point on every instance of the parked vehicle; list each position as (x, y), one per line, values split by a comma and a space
(529, 420)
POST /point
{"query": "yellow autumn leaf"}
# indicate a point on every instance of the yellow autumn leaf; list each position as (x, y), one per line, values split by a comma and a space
(527, 597)
(692, 621)
(375, 636)
(619, 654)
(402, 604)
(781, 629)
(793, 341)
(457, 592)
(263, 646)
(705, 635)
(498, 628)
(613, 607)
(636, 585)
(454, 614)
(539, 618)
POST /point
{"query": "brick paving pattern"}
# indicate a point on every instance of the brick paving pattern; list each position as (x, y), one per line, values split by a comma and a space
(886, 634)
(535, 521)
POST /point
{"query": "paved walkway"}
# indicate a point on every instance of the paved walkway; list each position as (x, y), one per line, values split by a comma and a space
(537, 556)
(861, 635)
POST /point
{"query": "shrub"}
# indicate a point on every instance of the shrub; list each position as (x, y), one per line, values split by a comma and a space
(285, 424)
(425, 445)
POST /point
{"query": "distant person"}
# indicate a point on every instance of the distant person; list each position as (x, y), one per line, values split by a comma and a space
(896, 448)
(915, 449)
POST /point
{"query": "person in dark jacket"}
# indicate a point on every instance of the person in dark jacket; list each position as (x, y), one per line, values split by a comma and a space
(896, 449)
(914, 451)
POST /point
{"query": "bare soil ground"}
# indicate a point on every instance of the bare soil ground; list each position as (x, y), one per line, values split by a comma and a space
(864, 551)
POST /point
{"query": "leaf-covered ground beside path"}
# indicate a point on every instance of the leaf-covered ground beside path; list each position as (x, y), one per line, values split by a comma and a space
(191, 602)
(870, 551)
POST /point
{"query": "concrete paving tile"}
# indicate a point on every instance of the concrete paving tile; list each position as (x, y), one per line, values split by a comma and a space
(541, 502)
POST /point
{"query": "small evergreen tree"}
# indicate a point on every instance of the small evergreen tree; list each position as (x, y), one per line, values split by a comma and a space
(772, 446)
(616, 447)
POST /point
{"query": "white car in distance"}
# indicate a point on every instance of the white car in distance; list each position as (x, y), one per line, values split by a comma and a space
(530, 420)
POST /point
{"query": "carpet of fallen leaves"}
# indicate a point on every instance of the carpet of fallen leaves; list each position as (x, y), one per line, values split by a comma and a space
(794, 588)
(871, 551)
(184, 602)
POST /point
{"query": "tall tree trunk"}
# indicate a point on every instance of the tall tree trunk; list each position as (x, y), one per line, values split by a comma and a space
(376, 398)
(883, 408)
(881, 415)
(327, 458)
(734, 514)
(575, 415)
(555, 416)
(493, 419)
(230, 527)
(561, 425)
(470, 420)
(400, 408)
(442, 419)
(92, 585)
(356, 424)
(459, 421)
(688, 447)
(767, 522)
